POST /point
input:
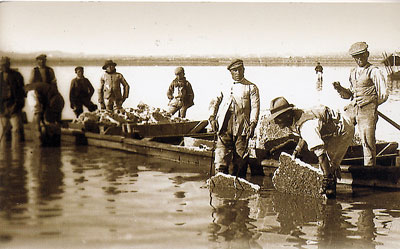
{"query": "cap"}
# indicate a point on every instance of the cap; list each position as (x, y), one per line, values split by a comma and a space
(279, 105)
(179, 70)
(358, 48)
(77, 68)
(235, 64)
(107, 63)
(41, 57)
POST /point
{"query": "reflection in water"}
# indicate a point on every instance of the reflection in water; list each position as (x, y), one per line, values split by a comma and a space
(13, 193)
(108, 196)
(232, 227)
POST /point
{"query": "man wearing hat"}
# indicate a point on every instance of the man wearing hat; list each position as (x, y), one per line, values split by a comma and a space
(12, 100)
(367, 91)
(326, 132)
(180, 94)
(110, 87)
(234, 117)
(80, 93)
(42, 73)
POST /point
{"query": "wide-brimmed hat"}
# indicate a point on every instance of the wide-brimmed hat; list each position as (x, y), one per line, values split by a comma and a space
(279, 105)
(107, 63)
(358, 48)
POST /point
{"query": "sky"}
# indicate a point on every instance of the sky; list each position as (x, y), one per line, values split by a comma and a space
(198, 28)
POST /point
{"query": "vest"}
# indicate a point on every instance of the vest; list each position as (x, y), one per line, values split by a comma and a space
(37, 76)
(363, 87)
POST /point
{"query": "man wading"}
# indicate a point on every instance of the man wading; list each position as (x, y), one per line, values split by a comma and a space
(367, 91)
(326, 133)
(234, 117)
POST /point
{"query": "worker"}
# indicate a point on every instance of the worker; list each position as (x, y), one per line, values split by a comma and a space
(80, 93)
(12, 100)
(110, 87)
(47, 104)
(234, 117)
(325, 132)
(367, 91)
(180, 94)
(42, 73)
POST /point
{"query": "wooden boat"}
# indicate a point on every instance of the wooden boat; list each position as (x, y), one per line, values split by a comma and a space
(196, 148)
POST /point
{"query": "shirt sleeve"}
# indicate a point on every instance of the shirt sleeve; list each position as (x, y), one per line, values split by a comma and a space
(310, 132)
(380, 85)
(255, 104)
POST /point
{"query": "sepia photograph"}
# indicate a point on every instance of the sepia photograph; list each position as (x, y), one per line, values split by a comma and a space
(199, 124)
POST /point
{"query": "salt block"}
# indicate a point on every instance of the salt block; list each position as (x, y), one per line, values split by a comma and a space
(297, 177)
(224, 181)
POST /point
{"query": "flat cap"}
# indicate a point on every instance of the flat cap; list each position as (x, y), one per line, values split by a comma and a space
(358, 48)
(78, 67)
(235, 64)
(5, 60)
(41, 57)
(179, 70)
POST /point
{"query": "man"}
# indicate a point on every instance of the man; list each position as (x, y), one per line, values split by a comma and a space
(367, 91)
(12, 100)
(80, 93)
(110, 87)
(234, 117)
(319, 70)
(326, 133)
(47, 104)
(42, 73)
(180, 94)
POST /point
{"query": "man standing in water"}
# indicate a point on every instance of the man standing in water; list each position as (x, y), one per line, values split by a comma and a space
(12, 100)
(235, 121)
(326, 133)
(42, 73)
(367, 91)
(110, 87)
(319, 70)
(180, 94)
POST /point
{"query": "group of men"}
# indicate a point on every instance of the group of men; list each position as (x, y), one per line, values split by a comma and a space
(327, 133)
(47, 103)
(234, 112)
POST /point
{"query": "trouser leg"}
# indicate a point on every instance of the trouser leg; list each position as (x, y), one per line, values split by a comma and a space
(366, 120)
(78, 110)
(3, 130)
(109, 104)
(240, 163)
(15, 122)
(223, 154)
(173, 109)
(182, 112)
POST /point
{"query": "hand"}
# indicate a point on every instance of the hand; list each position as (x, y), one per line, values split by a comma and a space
(295, 154)
(250, 130)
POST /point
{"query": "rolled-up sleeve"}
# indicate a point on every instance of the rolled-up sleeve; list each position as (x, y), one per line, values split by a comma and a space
(380, 84)
(310, 132)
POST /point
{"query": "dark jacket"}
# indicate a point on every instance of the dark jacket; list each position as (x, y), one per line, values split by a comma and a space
(52, 102)
(183, 90)
(37, 77)
(12, 94)
(80, 90)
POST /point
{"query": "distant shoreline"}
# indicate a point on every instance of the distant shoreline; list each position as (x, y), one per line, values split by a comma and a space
(197, 61)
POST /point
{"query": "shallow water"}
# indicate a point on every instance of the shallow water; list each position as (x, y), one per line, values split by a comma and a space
(87, 197)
